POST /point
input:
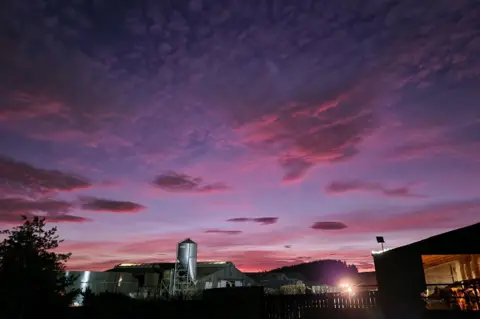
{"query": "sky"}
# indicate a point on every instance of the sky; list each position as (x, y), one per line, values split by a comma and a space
(271, 132)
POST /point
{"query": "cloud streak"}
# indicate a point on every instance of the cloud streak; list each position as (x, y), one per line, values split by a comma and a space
(11, 210)
(225, 232)
(259, 220)
(329, 226)
(107, 205)
(444, 215)
(182, 183)
(342, 187)
(55, 210)
(21, 178)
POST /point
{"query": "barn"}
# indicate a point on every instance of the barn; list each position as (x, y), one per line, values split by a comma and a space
(410, 277)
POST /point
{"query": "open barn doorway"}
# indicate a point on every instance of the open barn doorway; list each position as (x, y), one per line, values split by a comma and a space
(453, 281)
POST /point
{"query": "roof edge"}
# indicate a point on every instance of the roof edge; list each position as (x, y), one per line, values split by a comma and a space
(387, 251)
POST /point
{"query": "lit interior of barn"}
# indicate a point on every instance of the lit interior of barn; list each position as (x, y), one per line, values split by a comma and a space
(453, 281)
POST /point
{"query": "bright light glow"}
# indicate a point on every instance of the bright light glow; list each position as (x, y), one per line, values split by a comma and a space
(347, 287)
(345, 283)
(83, 287)
(128, 265)
(85, 279)
(378, 252)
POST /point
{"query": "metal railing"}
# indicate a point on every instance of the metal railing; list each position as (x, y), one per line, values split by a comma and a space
(463, 295)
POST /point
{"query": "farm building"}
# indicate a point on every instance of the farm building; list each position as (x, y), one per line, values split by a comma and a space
(410, 277)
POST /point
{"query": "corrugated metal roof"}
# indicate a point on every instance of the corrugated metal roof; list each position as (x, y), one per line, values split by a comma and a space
(203, 268)
(205, 271)
(458, 241)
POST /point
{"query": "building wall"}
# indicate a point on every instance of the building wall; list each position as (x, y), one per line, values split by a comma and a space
(442, 274)
(99, 282)
(155, 283)
(469, 266)
(465, 267)
(219, 279)
(401, 280)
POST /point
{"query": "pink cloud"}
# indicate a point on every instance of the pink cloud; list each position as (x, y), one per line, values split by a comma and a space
(23, 105)
(326, 131)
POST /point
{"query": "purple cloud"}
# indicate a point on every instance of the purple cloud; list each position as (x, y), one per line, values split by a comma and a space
(250, 86)
(329, 226)
(259, 220)
(443, 215)
(11, 210)
(107, 205)
(225, 232)
(21, 178)
(175, 182)
(342, 187)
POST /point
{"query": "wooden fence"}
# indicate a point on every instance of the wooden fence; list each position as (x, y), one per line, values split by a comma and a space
(239, 304)
(306, 306)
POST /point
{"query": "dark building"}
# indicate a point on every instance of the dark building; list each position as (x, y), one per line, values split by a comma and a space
(155, 278)
(449, 261)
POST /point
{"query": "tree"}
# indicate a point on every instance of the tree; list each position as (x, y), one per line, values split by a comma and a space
(32, 276)
(328, 272)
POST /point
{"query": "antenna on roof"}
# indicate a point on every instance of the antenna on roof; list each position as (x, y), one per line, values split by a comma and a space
(381, 241)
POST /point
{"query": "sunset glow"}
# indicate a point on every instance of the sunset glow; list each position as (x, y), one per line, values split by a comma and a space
(269, 134)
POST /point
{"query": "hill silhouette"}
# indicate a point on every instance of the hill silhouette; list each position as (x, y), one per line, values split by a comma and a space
(327, 272)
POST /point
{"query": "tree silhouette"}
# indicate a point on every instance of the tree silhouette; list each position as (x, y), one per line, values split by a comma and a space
(33, 282)
(328, 272)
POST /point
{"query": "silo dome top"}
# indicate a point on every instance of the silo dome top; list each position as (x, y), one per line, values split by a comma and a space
(188, 241)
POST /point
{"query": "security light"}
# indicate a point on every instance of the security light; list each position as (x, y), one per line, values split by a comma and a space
(381, 241)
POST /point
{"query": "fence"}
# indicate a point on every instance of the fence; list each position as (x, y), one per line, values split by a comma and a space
(464, 296)
(305, 306)
(234, 305)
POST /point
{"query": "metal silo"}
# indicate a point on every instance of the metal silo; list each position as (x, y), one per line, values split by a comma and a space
(187, 257)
